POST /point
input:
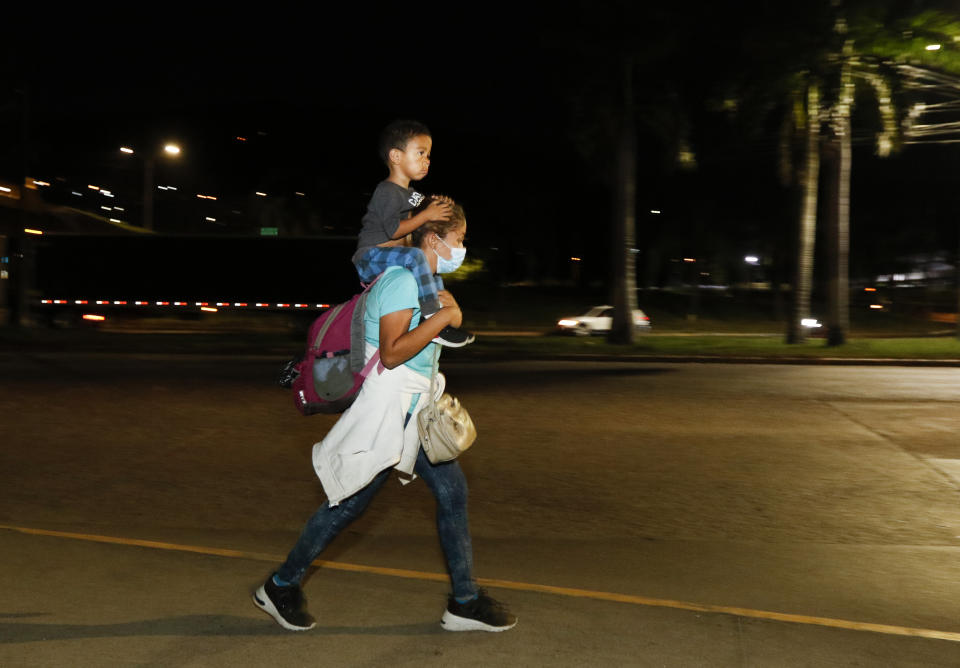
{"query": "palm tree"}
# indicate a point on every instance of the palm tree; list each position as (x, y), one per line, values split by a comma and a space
(620, 60)
(875, 39)
(809, 119)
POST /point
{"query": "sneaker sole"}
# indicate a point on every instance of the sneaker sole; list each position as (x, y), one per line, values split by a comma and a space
(452, 622)
(262, 601)
(449, 344)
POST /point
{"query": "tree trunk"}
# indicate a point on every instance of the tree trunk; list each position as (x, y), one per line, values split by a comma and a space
(625, 221)
(807, 227)
(838, 324)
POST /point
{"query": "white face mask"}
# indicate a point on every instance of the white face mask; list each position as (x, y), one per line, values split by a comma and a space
(445, 266)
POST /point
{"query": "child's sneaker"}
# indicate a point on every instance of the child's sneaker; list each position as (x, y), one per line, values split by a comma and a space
(453, 337)
(481, 614)
(285, 604)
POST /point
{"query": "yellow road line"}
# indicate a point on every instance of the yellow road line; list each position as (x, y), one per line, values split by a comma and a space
(888, 629)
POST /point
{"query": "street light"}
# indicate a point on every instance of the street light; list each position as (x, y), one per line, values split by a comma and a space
(149, 164)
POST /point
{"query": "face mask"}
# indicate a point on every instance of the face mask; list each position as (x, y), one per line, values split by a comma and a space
(445, 266)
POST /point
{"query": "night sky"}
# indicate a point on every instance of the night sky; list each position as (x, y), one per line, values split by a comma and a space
(512, 94)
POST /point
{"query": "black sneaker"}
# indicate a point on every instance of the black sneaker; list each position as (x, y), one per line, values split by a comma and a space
(453, 337)
(481, 614)
(285, 604)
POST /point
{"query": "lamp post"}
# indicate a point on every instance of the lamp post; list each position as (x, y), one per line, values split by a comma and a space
(149, 167)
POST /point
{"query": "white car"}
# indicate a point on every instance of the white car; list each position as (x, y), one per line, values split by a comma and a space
(598, 320)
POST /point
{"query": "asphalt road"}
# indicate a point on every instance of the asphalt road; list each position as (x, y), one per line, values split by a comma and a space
(633, 514)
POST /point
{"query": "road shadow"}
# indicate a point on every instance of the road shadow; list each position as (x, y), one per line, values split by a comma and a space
(188, 626)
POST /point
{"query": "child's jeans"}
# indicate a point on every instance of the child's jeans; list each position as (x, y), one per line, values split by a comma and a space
(375, 261)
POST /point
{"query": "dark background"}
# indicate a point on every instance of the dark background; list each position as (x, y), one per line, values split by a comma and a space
(521, 99)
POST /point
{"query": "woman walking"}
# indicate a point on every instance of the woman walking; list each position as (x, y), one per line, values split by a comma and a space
(379, 433)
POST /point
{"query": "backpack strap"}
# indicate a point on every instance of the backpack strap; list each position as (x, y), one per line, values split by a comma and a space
(358, 330)
(368, 367)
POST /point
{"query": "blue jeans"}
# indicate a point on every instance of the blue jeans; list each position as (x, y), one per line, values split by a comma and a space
(449, 487)
(376, 260)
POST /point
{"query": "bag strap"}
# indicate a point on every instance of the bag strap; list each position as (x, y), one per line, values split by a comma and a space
(431, 399)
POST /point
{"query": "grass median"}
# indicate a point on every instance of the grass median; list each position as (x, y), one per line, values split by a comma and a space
(770, 347)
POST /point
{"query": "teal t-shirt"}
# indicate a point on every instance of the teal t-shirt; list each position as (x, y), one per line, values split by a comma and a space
(394, 291)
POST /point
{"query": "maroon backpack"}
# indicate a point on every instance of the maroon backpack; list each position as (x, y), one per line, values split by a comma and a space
(327, 376)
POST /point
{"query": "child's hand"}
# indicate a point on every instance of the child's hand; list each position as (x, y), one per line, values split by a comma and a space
(437, 210)
(443, 198)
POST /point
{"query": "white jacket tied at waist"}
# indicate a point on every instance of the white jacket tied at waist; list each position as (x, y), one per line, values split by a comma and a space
(370, 437)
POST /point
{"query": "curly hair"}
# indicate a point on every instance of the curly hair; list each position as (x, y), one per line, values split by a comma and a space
(397, 135)
(439, 227)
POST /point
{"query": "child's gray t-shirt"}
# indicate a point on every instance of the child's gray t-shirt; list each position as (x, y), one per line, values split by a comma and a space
(389, 204)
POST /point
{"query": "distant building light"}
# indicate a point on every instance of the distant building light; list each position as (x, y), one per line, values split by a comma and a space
(654, 210)
(212, 220)
(876, 306)
(30, 230)
(933, 47)
(810, 322)
(4, 189)
(260, 194)
(106, 193)
(93, 187)
(689, 259)
(115, 220)
(751, 259)
(172, 149)
(869, 289)
(126, 149)
(241, 139)
(118, 208)
(207, 197)
(40, 183)
(574, 259)
(299, 193)
(107, 208)
(74, 192)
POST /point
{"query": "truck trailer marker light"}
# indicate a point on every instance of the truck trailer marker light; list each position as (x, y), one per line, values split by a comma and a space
(163, 303)
(283, 305)
(59, 301)
(102, 301)
(120, 302)
(240, 304)
(91, 316)
(261, 305)
(179, 303)
(300, 305)
(323, 305)
(141, 303)
(223, 303)
(81, 301)
(46, 301)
